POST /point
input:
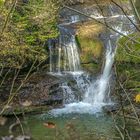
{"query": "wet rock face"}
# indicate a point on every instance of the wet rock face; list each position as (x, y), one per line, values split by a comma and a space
(41, 89)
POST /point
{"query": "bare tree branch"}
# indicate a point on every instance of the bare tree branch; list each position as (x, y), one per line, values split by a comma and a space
(79, 12)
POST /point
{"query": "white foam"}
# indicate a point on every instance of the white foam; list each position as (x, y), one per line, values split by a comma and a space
(80, 108)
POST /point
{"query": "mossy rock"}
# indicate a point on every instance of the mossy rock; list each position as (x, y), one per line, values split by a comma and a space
(91, 49)
(90, 45)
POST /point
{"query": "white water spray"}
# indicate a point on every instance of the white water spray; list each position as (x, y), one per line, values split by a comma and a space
(98, 89)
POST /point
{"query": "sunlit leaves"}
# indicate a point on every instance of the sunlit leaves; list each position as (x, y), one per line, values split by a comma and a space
(1, 2)
(137, 98)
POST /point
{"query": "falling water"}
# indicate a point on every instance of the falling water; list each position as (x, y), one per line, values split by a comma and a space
(72, 55)
(67, 54)
(68, 94)
(94, 93)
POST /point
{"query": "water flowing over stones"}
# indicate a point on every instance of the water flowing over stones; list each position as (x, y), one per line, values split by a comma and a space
(96, 93)
(93, 93)
(66, 54)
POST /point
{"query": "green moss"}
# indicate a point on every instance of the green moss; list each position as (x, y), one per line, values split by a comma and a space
(91, 52)
(91, 49)
(27, 30)
(1, 3)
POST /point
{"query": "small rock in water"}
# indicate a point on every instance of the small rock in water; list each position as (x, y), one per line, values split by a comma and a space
(110, 109)
(49, 124)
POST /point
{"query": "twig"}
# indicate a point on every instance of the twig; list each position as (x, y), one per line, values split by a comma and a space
(8, 16)
(22, 83)
(126, 14)
(18, 120)
(5, 76)
(12, 126)
(118, 129)
(13, 82)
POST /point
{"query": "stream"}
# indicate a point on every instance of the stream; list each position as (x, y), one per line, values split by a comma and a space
(68, 127)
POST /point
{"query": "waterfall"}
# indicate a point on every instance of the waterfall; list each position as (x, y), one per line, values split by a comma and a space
(94, 93)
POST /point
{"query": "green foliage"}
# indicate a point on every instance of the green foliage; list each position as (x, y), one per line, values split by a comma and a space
(29, 25)
(128, 51)
(1, 2)
(12, 56)
(128, 62)
(36, 21)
